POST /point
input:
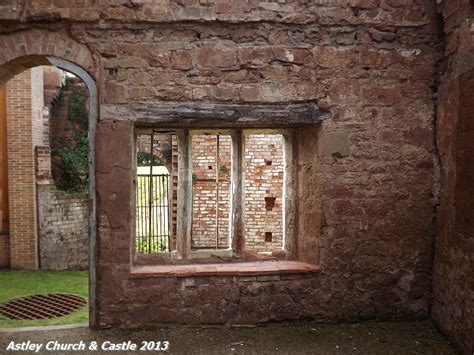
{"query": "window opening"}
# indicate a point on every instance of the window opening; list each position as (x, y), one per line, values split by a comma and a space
(154, 163)
(207, 193)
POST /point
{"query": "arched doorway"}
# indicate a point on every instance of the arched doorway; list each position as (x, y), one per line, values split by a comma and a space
(19, 64)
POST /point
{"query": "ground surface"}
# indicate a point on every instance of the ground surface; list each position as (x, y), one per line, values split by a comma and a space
(302, 338)
(15, 284)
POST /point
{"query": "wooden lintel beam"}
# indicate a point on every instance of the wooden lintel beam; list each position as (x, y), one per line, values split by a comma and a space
(217, 115)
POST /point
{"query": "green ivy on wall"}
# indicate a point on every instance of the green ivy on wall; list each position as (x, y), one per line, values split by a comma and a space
(147, 159)
(78, 108)
(75, 166)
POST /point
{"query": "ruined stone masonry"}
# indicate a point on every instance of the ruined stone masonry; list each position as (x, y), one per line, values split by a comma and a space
(376, 98)
(64, 229)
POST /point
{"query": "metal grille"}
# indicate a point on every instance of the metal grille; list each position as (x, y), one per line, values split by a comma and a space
(42, 306)
(152, 214)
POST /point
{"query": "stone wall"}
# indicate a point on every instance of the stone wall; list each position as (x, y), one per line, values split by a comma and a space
(453, 276)
(366, 177)
(63, 229)
(161, 147)
(367, 214)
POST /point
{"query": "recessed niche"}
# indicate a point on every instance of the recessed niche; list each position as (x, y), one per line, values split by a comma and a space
(268, 237)
(269, 203)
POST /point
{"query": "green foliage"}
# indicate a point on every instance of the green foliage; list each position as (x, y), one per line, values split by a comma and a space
(168, 153)
(77, 108)
(75, 166)
(147, 246)
(60, 99)
(147, 159)
(147, 236)
(223, 169)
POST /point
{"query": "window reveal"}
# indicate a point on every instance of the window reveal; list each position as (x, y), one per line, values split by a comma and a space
(152, 216)
(229, 192)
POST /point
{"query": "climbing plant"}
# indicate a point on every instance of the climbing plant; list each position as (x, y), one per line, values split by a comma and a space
(78, 108)
(75, 166)
(147, 159)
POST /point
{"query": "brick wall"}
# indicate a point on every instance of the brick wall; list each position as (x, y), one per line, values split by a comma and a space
(24, 129)
(4, 251)
(4, 218)
(263, 180)
(211, 183)
(264, 166)
(63, 229)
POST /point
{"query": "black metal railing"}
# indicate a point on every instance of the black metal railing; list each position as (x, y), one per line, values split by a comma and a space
(152, 214)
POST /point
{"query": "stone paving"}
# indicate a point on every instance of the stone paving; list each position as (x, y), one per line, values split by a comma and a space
(418, 337)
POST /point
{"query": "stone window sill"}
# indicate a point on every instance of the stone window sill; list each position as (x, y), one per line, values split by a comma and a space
(230, 269)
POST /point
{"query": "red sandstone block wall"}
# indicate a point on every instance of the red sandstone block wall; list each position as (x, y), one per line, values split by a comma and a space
(367, 175)
(453, 278)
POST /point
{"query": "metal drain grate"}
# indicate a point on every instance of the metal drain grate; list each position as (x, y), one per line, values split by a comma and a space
(42, 306)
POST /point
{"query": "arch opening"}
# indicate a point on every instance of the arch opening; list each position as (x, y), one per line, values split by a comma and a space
(14, 67)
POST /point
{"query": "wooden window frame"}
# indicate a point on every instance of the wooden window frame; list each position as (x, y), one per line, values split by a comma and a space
(236, 249)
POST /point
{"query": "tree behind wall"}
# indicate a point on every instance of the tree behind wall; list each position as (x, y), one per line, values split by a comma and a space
(69, 142)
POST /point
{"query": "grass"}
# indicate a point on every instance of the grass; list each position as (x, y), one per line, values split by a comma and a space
(15, 284)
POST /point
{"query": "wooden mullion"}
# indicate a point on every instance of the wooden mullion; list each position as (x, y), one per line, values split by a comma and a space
(185, 189)
(290, 189)
(237, 207)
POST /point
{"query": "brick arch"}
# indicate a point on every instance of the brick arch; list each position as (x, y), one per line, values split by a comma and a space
(26, 49)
